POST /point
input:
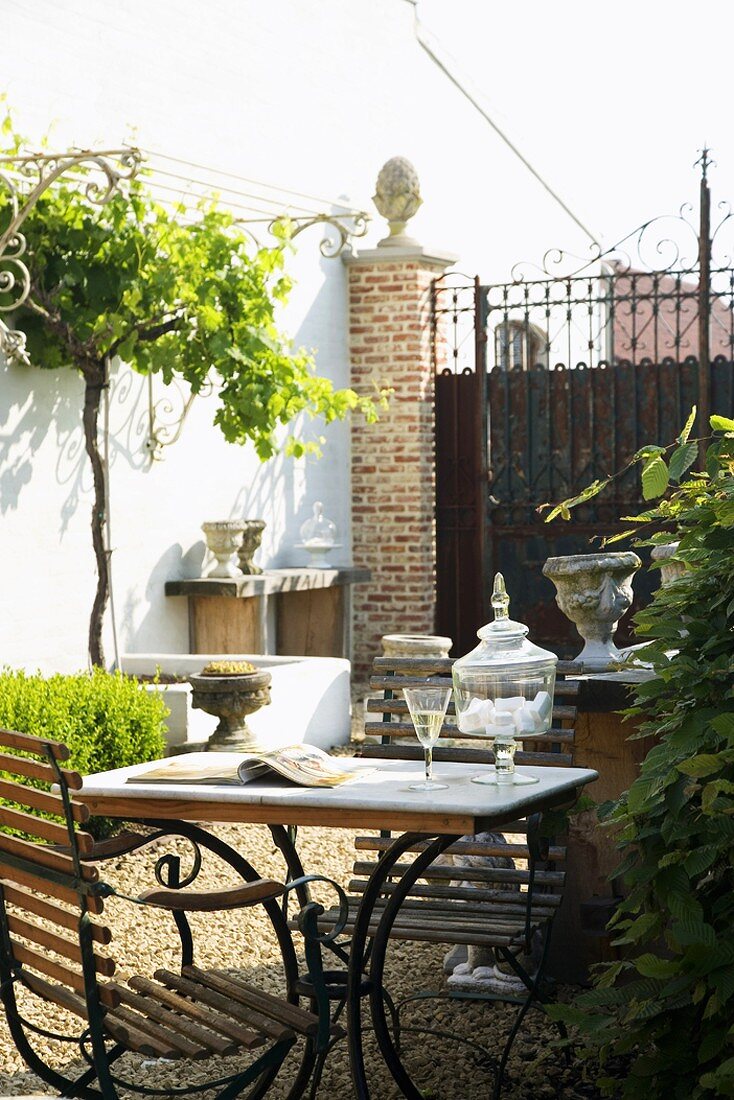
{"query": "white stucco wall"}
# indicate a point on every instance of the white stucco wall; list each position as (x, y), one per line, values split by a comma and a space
(312, 95)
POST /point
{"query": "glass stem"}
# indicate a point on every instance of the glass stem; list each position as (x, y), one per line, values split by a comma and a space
(429, 763)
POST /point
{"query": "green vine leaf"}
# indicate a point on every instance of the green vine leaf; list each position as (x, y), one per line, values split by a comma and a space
(654, 477)
(701, 765)
(682, 459)
(688, 426)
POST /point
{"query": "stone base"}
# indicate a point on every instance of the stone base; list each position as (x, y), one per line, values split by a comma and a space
(485, 979)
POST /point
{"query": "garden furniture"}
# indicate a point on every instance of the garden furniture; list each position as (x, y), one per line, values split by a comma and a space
(429, 825)
(190, 1014)
(505, 911)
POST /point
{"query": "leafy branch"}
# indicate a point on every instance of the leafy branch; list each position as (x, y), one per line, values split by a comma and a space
(656, 473)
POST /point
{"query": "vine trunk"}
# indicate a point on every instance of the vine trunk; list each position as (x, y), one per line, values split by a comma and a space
(95, 379)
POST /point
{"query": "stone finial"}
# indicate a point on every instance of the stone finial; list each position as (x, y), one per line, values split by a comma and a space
(397, 198)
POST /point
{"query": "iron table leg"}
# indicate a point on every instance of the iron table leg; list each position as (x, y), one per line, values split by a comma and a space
(358, 960)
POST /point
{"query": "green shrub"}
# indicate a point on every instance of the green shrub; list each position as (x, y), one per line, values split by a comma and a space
(107, 720)
(667, 1007)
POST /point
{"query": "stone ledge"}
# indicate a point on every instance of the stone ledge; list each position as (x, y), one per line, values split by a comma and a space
(403, 253)
(271, 581)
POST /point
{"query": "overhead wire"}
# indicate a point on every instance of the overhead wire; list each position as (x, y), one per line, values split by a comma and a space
(429, 43)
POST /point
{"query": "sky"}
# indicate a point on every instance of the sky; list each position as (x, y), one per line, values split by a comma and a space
(610, 103)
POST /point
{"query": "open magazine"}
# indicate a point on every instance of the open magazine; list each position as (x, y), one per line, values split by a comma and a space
(302, 764)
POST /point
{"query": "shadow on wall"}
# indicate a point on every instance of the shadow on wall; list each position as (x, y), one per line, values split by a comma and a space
(172, 564)
(37, 401)
(34, 402)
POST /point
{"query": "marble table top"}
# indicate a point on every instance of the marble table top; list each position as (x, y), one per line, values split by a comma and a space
(380, 799)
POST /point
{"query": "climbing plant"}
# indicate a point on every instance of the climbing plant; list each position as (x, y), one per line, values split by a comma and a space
(666, 1007)
(173, 295)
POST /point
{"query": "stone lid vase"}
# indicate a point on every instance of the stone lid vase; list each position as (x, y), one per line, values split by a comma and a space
(594, 591)
(231, 698)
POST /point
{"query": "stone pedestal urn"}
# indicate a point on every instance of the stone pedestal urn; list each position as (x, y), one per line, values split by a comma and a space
(231, 699)
(222, 539)
(594, 591)
(252, 534)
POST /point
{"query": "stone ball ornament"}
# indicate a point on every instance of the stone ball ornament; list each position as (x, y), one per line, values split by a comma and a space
(397, 197)
(594, 591)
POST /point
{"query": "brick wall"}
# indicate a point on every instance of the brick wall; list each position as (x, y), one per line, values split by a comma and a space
(393, 494)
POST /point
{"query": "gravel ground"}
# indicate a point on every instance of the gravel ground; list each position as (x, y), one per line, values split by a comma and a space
(243, 940)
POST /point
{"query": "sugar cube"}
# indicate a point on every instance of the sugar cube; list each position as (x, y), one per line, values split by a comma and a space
(476, 716)
(513, 703)
(502, 725)
(541, 708)
(525, 721)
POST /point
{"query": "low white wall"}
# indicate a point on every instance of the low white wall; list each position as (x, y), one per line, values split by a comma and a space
(310, 698)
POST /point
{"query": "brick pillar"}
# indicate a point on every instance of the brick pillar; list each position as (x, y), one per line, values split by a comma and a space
(393, 490)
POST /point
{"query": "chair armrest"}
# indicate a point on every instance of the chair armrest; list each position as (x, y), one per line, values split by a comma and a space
(120, 845)
(211, 901)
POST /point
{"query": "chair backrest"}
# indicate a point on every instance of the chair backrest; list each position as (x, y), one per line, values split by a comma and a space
(42, 875)
(395, 729)
(491, 873)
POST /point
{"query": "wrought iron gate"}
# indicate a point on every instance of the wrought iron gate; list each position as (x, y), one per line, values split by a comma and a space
(553, 380)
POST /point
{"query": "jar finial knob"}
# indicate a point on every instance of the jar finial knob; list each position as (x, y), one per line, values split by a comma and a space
(500, 599)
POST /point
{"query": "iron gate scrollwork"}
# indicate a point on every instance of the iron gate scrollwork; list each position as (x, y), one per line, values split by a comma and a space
(557, 377)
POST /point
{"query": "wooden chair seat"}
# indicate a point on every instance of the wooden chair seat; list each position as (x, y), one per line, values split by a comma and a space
(448, 922)
(199, 1013)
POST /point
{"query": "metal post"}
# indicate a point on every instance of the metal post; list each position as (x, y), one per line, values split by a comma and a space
(704, 305)
(482, 448)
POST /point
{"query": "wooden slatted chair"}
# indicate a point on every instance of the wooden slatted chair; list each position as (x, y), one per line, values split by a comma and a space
(505, 909)
(52, 942)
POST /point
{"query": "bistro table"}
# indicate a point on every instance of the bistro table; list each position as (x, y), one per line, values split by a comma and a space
(378, 800)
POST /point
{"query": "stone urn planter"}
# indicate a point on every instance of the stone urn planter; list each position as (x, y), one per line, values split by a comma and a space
(252, 535)
(669, 570)
(222, 539)
(594, 591)
(231, 696)
(415, 645)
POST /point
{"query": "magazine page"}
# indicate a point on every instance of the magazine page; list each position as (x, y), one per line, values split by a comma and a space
(215, 768)
(312, 767)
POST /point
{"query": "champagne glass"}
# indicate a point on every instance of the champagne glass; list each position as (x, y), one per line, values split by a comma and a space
(427, 706)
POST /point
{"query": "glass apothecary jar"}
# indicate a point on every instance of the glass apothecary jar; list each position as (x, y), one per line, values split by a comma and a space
(504, 688)
(318, 535)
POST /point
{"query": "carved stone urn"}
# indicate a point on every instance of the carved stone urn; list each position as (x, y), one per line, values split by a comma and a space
(231, 699)
(594, 591)
(222, 539)
(252, 535)
(397, 197)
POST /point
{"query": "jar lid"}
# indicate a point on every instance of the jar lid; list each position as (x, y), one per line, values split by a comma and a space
(504, 641)
(318, 531)
(503, 628)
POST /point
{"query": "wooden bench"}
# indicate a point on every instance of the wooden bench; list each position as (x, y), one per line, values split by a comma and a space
(54, 943)
(506, 909)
